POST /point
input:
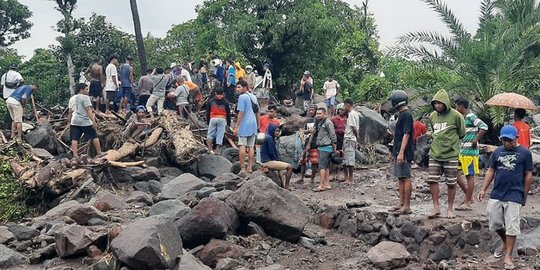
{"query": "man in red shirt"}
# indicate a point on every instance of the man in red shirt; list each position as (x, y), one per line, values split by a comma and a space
(524, 131)
(419, 128)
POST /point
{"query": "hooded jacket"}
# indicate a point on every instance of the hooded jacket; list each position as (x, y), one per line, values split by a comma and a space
(269, 149)
(240, 72)
(447, 128)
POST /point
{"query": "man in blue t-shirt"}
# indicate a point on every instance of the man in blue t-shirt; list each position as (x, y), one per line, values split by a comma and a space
(511, 165)
(15, 104)
(247, 124)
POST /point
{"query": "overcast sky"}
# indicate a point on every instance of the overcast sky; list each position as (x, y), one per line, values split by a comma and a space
(393, 17)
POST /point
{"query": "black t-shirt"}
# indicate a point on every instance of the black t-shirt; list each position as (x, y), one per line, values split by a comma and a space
(308, 88)
(404, 125)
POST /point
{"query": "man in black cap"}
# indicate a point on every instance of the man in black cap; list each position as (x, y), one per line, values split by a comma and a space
(9, 82)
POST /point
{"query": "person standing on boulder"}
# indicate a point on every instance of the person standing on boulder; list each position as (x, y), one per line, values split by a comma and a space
(82, 120)
(511, 166)
(468, 153)
(447, 128)
(247, 124)
(331, 89)
(326, 144)
(351, 140)
(219, 118)
(403, 150)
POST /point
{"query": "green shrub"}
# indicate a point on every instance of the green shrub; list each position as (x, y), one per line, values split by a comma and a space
(373, 88)
(12, 193)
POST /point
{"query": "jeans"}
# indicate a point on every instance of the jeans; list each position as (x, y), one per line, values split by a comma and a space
(216, 129)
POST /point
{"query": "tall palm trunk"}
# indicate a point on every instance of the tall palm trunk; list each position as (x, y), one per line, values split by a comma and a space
(71, 73)
(138, 36)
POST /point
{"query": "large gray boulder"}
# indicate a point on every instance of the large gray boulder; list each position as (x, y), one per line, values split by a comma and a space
(188, 261)
(278, 211)
(83, 213)
(373, 127)
(389, 255)
(113, 200)
(181, 185)
(171, 209)
(10, 258)
(43, 136)
(211, 218)
(149, 243)
(421, 153)
(74, 239)
(227, 181)
(212, 166)
(290, 149)
(144, 174)
(23, 232)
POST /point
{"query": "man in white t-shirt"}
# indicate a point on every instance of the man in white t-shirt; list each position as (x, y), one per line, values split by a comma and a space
(185, 73)
(331, 89)
(9, 82)
(351, 140)
(111, 83)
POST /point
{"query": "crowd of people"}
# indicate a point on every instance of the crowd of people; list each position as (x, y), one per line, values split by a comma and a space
(331, 133)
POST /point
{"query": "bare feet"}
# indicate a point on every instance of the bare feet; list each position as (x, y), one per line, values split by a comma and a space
(396, 208)
(450, 214)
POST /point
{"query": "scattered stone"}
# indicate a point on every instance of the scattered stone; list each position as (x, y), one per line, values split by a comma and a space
(408, 229)
(227, 181)
(357, 204)
(396, 235)
(181, 185)
(287, 147)
(93, 251)
(384, 230)
(222, 195)
(253, 228)
(74, 239)
(102, 206)
(273, 267)
(278, 211)
(22, 245)
(83, 213)
(148, 243)
(219, 249)
(173, 209)
(454, 229)
(443, 252)
(97, 222)
(366, 228)
(466, 225)
(140, 197)
(372, 239)
(420, 235)
(152, 186)
(388, 255)
(527, 251)
(144, 174)
(43, 136)
(212, 166)
(10, 258)
(205, 192)
(5, 235)
(22, 232)
(437, 238)
(227, 264)
(188, 261)
(326, 220)
(472, 238)
(307, 243)
(443, 265)
(269, 259)
(211, 218)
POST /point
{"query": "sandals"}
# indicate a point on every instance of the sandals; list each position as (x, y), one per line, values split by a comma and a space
(318, 189)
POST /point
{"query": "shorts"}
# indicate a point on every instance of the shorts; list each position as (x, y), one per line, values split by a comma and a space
(277, 165)
(504, 215)
(143, 99)
(247, 141)
(125, 92)
(312, 157)
(75, 132)
(349, 152)
(330, 102)
(402, 170)
(324, 160)
(110, 96)
(15, 110)
(442, 171)
(469, 165)
(216, 129)
(95, 89)
(263, 93)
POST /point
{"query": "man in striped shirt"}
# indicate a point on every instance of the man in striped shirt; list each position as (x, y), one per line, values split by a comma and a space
(468, 153)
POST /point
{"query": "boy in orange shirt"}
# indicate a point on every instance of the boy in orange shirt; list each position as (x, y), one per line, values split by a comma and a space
(524, 131)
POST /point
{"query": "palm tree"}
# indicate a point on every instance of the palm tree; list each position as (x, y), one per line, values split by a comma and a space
(138, 35)
(66, 26)
(504, 54)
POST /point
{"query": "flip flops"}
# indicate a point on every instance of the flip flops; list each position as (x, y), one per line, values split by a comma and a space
(318, 189)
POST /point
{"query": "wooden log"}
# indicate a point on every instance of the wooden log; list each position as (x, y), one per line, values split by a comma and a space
(117, 164)
(185, 148)
(127, 149)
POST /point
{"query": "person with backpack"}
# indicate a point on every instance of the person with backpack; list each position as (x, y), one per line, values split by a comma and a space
(158, 92)
(247, 124)
(326, 144)
(10, 81)
(15, 104)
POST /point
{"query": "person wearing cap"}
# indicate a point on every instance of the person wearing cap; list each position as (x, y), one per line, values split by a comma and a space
(136, 123)
(511, 166)
(219, 118)
(111, 83)
(15, 104)
(127, 81)
(263, 93)
(331, 89)
(82, 120)
(306, 88)
(523, 128)
(310, 154)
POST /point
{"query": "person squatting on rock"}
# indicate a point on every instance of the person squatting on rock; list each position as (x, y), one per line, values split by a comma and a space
(136, 123)
(219, 118)
(266, 120)
(15, 104)
(310, 154)
(468, 153)
(82, 120)
(351, 140)
(270, 156)
(447, 128)
(403, 150)
(511, 166)
(326, 145)
(247, 124)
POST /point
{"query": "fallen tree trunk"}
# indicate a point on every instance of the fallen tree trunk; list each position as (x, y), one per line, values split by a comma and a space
(183, 146)
(129, 148)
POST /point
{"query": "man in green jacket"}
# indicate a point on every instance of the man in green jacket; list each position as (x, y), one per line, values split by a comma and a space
(447, 128)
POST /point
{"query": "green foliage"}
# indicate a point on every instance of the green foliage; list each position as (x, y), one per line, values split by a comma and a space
(12, 193)
(8, 56)
(373, 88)
(3, 111)
(14, 22)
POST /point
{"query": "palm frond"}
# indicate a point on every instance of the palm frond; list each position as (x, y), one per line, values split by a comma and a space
(434, 38)
(486, 13)
(414, 52)
(456, 27)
